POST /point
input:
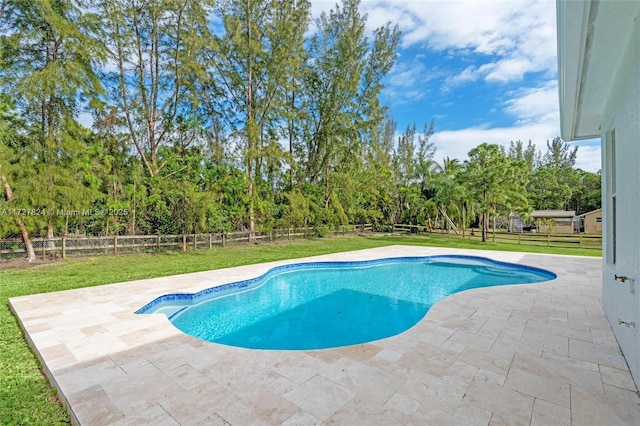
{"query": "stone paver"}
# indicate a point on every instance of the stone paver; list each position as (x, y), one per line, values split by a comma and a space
(534, 354)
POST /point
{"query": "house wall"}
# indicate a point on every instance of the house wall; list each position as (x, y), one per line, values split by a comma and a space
(556, 228)
(621, 201)
(590, 224)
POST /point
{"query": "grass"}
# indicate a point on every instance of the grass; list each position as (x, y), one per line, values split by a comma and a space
(26, 397)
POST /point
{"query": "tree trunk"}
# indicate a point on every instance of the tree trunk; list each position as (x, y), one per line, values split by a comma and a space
(31, 254)
(50, 244)
(250, 132)
(50, 227)
(291, 124)
(464, 221)
(252, 221)
(485, 218)
(494, 227)
(326, 190)
(485, 226)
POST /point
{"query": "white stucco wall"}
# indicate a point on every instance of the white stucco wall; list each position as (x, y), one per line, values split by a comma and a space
(621, 178)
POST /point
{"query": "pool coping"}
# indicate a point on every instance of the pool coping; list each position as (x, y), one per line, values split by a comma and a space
(220, 290)
(511, 354)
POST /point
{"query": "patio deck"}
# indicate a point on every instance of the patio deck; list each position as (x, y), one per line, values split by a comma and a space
(529, 354)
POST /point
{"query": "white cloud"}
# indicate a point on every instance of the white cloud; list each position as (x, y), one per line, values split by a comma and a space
(535, 105)
(401, 83)
(378, 15)
(589, 155)
(511, 69)
(319, 6)
(516, 37)
(85, 119)
(471, 73)
(535, 111)
(406, 74)
(458, 143)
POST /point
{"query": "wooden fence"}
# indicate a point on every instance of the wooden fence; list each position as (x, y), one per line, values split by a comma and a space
(583, 241)
(122, 244)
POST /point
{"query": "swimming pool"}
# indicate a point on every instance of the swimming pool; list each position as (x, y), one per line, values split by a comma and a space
(330, 304)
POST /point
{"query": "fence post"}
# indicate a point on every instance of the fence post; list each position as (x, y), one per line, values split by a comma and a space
(158, 243)
(210, 241)
(184, 242)
(115, 244)
(548, 240)
(580, 243)
(223, 239)
(64, 247)
(288, 233)
(271, 235)
(195, 242)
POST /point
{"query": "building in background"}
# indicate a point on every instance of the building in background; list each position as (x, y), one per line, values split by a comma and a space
(555, 221)
(546, 222)
(591, 222)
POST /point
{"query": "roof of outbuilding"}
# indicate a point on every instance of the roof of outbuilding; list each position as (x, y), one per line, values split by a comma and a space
(591, 212)
(553, 213)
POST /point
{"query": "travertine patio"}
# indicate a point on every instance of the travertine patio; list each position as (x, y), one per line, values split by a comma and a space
(535, 354)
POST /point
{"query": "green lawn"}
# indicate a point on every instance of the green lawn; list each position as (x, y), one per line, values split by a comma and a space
(26, 398)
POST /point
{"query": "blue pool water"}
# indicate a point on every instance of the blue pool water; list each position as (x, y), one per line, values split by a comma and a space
(330, 304)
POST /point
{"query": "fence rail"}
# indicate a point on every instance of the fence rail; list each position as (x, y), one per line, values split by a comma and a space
(122, 244)
(584, 241)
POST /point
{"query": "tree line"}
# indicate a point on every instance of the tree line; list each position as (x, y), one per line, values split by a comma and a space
(233, 115)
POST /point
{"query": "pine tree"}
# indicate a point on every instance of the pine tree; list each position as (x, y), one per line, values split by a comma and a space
(156, 50)
(8, 156)
(50, 49)
(253, 64)
(342, 81)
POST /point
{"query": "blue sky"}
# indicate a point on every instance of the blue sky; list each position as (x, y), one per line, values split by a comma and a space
(484, 71)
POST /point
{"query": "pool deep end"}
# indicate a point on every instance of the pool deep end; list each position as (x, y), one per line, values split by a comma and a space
(329, 304)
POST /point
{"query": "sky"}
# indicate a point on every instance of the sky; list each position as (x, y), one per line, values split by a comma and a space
(483, 70)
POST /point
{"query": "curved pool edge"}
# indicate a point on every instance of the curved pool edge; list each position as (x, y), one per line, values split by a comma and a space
(190, 299)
